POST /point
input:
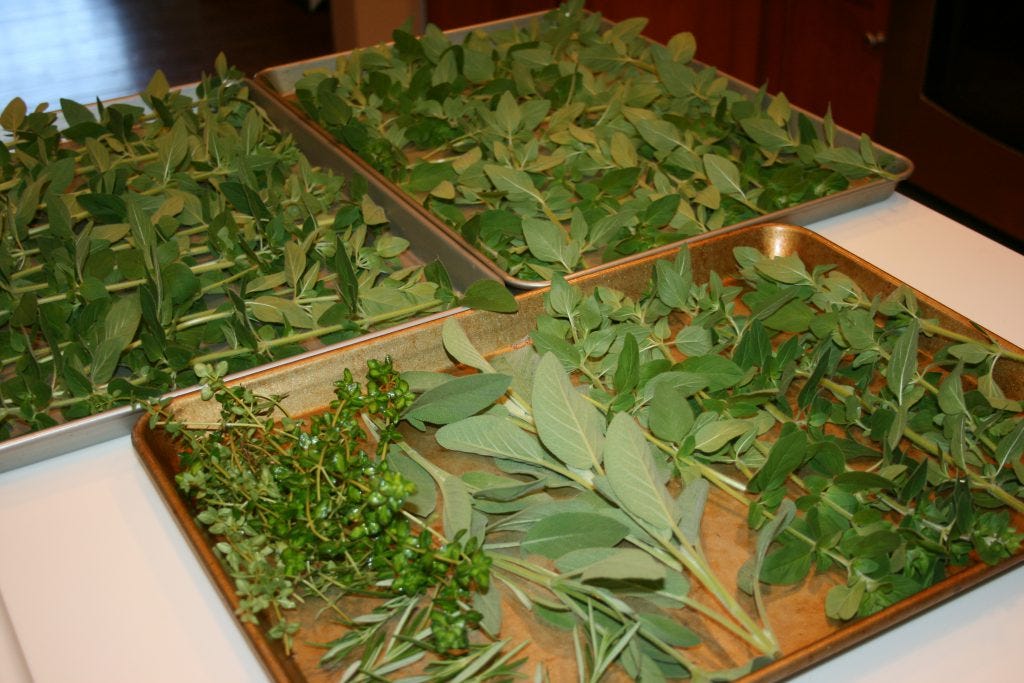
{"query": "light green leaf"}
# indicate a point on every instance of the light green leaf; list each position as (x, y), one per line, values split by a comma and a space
(492, 436)
(766, 133)
(724, 175)
(273, 309)
(788, 269)
(842, 602)
(459, 347)
(714, 435)
(459, 398)
(682, 46)
(673, 288)
(517, 185)
(507, 114)
(611, 564)
(294, 262)
(558, 534)
(489, 295)
(951, 393)
(622, 150)
(669, 630)
(633, 477)
(690, 509)
(570, 427)
(670, 416)
(902, 369)
(373, 213)
(694, 340)
(545, 239)
(457, 508)
(1011, 446)
(969, 352)
(661, 135)
(424, 499)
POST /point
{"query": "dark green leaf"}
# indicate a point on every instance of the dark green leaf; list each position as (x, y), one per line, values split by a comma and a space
(627, 370)
(489, 295)
(787, 454)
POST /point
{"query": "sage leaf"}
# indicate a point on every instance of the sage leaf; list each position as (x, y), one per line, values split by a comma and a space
(633, 477)
(459, 347)
(494, 437)
(750, 572)
(457, 508)
(558, 534)
(669, 631)
(690, 506)
(458, 399)
(569, 426)
(611, 564)
(716, 371)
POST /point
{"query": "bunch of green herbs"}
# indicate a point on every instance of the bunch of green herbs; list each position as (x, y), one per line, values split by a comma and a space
(790, 391)
(862, 438)
(560, 143)
(312, 507)
(138, 241)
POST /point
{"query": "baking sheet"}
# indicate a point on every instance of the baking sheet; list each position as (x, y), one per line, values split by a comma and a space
(806, 636)
(426, 244)
(281, 80)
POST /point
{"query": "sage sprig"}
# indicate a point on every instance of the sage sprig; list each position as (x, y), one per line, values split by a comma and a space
(793, 393)
(563, 143)
(140, 240)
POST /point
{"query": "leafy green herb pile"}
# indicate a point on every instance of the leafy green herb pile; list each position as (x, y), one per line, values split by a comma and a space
(139, 241)
(556, 144)
(789, 392)
(302, 508)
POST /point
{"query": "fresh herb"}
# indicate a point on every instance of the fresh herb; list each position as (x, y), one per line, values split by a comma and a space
(312, 507)
(862, 438)
(562, 143)
(138, 241)
(790, 391)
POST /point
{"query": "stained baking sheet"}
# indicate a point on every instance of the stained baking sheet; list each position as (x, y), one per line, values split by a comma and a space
(281, 81)
(797, 615)
(426, 244)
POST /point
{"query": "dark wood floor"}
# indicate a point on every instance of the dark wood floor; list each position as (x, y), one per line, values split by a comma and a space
(84, 49)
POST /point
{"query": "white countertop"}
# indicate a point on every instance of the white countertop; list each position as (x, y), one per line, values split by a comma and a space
(99, 585)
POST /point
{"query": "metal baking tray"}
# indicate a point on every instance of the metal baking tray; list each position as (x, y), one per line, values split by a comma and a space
(427, 244)
(281, 81)
(797, 614)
